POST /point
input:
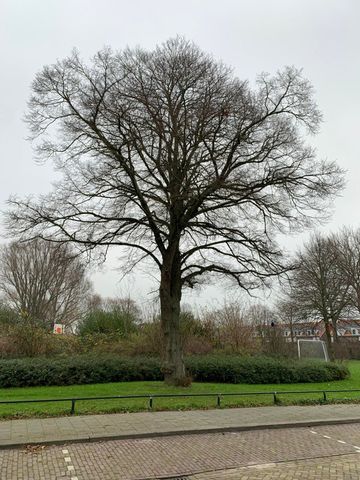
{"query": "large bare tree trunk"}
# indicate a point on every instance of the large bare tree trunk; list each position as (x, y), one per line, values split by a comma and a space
(170, 297)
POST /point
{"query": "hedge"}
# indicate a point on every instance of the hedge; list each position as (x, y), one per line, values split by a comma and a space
(77, 370)
(86, 369)
(262, 370)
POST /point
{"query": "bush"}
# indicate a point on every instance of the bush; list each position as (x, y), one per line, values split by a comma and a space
(235, 369)
(347, 349)
(28, 340)
(108, 322)
(87, 369)
(84, 369)
(23, 341)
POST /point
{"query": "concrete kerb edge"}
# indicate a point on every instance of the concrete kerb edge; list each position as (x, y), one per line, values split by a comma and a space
(171, 433)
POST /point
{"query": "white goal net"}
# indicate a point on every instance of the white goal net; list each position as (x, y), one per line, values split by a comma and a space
(310, 349)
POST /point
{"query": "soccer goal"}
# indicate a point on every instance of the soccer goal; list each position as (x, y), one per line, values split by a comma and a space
(312, 349)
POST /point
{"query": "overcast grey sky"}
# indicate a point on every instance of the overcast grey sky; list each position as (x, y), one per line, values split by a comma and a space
(321, 36)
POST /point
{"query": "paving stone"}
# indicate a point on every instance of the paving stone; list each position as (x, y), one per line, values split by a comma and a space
(317, 453)
(346, 467)
(147, 423)
(285, 454)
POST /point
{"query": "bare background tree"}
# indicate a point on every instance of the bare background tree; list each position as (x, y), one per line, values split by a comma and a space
(287, 309)
(44, 282)
(168, 154)
(259, 314)
(229, 328)
(347, 242)
(319, 286)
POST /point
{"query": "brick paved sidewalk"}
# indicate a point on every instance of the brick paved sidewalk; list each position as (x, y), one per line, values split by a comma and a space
(151, 424)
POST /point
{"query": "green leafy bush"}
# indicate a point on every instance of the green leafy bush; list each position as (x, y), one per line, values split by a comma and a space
(257, 370)
(87, 369)
(84, 369)
(108, 322)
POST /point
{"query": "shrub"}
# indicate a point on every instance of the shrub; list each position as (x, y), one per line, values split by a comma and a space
(84, 369)
(28, 340)
(87, 369)
(235, 369)
(23, 341)
(347, 348)
(197, 346)
(108, 322)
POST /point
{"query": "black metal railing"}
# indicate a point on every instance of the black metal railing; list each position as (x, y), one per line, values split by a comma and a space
(151, 397)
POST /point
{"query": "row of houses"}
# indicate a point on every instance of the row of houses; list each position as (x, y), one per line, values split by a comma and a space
(315, 330)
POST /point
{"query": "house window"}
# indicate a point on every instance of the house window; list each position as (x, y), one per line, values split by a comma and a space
(354, 331)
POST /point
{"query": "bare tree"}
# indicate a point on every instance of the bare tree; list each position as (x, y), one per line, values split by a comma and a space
(124, 305)
(269, 332)
(347, 243)
(319, 287)
(288, 311)
(168, 154)
(259, 314)
(235, 331)
(43, 281)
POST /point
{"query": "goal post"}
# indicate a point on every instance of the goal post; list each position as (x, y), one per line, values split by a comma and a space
(312, 349)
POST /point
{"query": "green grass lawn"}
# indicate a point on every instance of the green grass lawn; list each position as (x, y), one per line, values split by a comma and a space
(145, 388)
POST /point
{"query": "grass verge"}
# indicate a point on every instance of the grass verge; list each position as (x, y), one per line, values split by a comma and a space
(145, 388)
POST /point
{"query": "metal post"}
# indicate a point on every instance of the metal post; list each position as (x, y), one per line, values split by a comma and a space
(150, 403)
(218, 403)
(324, 394)
(72, 411)
(275, 398)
